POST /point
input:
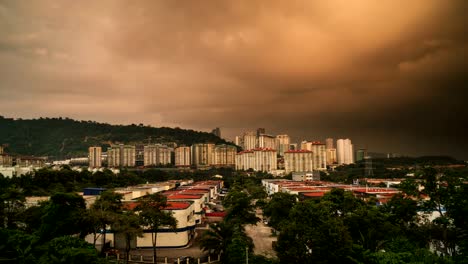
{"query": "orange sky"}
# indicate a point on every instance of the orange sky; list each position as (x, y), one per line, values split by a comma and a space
(391, 75)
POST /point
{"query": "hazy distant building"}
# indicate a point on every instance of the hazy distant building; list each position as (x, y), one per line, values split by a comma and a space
(298, 161)
(329, 143)
(293, 146)
(282, 144)
(260, 131)
(224, 156)
(94, 157)
(1, 150)
(344, 151)
(182, 157)
(249, 141)
(202, 154)
(6, 160)
(239, 141)
(266, 141)
(331, 156)
(27, 161)
(139, 155)
(257, 159)
(121, 156)
(360, 154)
(216, 132)
(319, 153)
(157, 154)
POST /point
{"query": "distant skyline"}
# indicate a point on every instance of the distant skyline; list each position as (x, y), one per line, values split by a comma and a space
(391, 75)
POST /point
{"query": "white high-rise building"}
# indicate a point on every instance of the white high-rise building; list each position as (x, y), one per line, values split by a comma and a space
(344, 151)
(329, 143)
(319, 153)
(298, 161)
(250, 141)
(224, 155)
(156, 155)
(266, 141)
(182, 157)
(282, 144)
(257, 159)
(202, 154)
(331, 156)
(121, 156)
(94, 157)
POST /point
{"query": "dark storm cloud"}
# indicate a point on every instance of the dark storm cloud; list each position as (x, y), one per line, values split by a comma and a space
(389, 74)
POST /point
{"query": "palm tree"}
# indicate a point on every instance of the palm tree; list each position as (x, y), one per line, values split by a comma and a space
(216, 239)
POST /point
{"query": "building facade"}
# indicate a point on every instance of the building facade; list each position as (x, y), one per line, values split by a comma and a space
(298, 161)
(257, 159)
(331, 156)
(94, 157)
(183, 157)
(319, 153)
(344, 151)
(202, 154)
(224, 156)
(282, 144)
(121, 156)
(157, 154)
(267, 141)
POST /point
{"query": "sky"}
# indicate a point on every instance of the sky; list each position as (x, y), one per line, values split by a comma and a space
(391, 75)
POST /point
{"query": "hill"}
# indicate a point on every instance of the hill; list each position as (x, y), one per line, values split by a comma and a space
(65, 138)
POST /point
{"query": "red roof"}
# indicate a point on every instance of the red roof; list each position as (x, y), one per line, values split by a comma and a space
(170, 205)
(183, 196)
(314, 194)
(177, 205)
(298, 151)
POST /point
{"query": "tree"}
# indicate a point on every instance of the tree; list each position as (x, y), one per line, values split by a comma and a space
(11, 206)
(102, 213)
(216, 239)
(128, 225)
(151, 212)
(63, 215)
(72, 250)
(314, 235)
(240, 208)
(278, 208)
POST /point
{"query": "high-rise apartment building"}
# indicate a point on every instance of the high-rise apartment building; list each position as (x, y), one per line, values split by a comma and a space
(182, 157)
(319, 153)
(156, 154)
(224, 156)
(239, 141)
(331, 156)
(121, 156)
(282, 144)
(94, 157)
(329, 143)
(266, 141)
(298, 161)
(344, 151)
(257, 159)
(249, 141)
(202, 154)
(260, 131)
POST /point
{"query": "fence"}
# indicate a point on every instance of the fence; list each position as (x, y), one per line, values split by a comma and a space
(134, 259)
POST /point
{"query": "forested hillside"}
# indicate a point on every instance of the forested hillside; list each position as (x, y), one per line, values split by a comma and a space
(64, 137)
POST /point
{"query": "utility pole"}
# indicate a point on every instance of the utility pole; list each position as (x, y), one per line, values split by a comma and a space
(246, 255)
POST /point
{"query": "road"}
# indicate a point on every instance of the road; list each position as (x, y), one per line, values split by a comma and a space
(262, 238)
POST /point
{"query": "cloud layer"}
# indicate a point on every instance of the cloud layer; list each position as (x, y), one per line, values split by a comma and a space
(391, 75)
